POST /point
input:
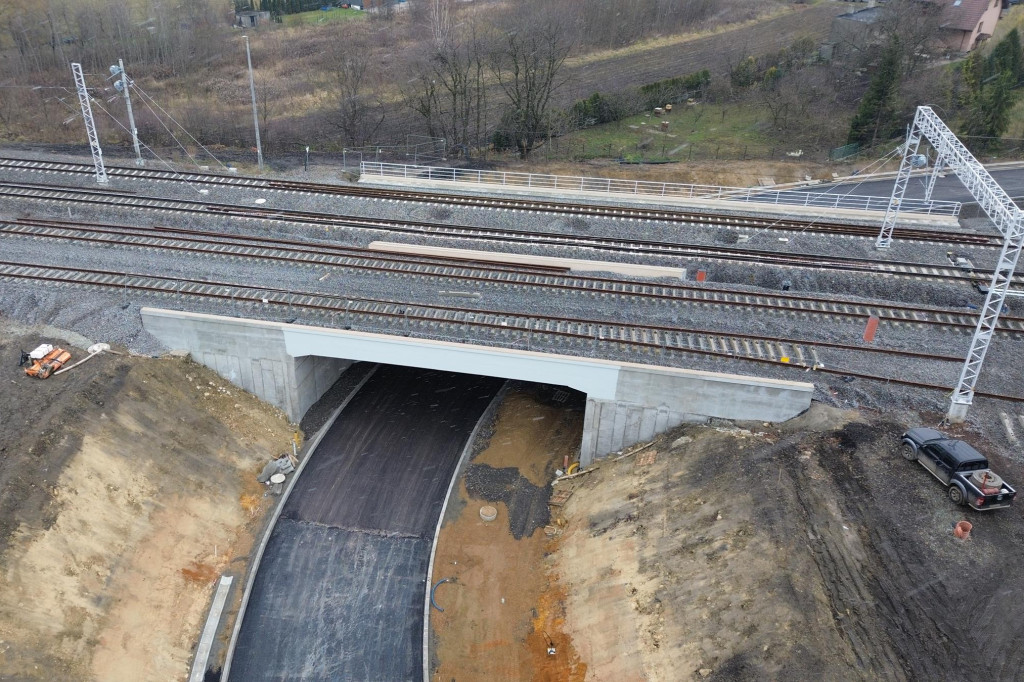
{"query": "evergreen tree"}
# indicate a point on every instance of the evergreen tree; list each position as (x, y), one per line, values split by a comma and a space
(876, 116)
(988, 110)
(1007, 56)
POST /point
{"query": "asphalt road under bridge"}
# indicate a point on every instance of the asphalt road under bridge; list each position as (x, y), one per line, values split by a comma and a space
(339, 592)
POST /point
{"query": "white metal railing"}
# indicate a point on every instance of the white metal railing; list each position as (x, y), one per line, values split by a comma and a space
(758, 195)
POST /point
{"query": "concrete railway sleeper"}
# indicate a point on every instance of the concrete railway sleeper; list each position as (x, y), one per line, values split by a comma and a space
(543, 277)
(913, 270)
(536, 205)
(444, 323)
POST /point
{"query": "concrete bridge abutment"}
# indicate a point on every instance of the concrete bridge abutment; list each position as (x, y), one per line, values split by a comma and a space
(292, 366)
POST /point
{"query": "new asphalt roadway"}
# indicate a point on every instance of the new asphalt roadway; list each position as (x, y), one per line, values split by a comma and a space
(339, 591)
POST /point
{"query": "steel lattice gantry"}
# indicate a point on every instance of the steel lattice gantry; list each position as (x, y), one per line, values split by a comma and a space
(90, 125)
(998, 206)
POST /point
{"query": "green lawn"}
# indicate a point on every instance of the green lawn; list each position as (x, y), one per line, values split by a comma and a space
(317, 17)
(700, 131)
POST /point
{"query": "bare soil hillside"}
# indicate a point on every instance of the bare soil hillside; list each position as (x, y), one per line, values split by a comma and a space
(807, 550)
(127, 486)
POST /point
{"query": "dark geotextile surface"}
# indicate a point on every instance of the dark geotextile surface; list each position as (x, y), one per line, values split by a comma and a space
(339, 592)
(527, 503)
(334, 615)
(318, 413)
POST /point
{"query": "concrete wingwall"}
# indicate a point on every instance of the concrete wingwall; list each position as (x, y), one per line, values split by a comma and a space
(292, 366)
(652, 400)
(253, 357)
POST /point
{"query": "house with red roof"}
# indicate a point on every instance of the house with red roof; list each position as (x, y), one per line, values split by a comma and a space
(960, 25)
(966, 23)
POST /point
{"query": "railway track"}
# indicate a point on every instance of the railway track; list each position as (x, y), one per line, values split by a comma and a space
(513, 204)
(655, 345)
(488, 273)
(718, 254)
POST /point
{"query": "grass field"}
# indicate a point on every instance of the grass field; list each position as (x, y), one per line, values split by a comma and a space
(699, 131)
(318, 17)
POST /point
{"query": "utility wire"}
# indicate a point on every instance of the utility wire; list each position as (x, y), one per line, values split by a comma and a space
(77, 114)
(152, 151)
(145, 96)
(878, 162)
(171, 133)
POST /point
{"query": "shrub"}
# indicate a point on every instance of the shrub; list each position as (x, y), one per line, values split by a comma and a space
(595, 110)
(673, 90)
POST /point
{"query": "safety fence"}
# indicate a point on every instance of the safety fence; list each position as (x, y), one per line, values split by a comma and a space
(836, 198)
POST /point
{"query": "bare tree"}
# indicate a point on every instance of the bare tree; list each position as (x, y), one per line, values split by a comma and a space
(441, 25)
(450, 92)
(358, 115)
(917, 25)
(527, 68)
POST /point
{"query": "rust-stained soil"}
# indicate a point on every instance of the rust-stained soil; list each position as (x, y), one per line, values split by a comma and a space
(127, 486)
(504, 608)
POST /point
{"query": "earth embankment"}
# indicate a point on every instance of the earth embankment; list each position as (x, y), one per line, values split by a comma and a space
(127, 487)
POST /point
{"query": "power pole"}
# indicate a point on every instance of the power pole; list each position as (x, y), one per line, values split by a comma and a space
(899, 188)
(122, 85)
(255, 117)
(1007, 217)
(90, 125)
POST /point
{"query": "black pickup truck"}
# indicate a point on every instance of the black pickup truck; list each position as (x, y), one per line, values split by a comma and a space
(960, 467)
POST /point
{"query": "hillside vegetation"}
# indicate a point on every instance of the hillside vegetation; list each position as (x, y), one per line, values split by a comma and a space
(492, 78)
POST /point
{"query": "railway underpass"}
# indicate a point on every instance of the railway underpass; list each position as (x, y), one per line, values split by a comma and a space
(292, 365)
(338, 593)
(368, 496)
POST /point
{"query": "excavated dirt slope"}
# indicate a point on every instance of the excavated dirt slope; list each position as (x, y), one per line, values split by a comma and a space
(127, 486)
(810, 550)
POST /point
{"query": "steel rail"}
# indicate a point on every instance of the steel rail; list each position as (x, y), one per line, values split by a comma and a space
(606, 244)
(505, 203)
(430, 319)
(556, 278)
(115, 280)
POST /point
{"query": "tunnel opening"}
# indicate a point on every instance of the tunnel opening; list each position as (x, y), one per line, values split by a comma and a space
(341, 580)
(525, 395)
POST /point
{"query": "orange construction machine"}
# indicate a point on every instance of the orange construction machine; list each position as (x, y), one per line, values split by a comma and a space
(44, 361)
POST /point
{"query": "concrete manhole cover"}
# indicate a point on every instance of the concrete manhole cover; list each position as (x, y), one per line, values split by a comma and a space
(488, 513)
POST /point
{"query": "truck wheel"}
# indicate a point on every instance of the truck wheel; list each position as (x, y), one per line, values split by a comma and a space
(909, 452)
(956, 495)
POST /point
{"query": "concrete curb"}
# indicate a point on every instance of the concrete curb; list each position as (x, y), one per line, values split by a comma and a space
(202, 657)
(463, 458)
(226, 671)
